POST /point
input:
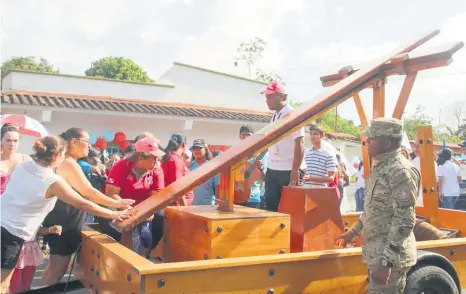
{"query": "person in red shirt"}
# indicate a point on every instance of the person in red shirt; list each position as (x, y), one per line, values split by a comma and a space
(174, 166)
(140, 177)
(334, 184)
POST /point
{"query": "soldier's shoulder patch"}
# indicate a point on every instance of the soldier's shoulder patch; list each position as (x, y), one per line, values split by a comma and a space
(405, 194)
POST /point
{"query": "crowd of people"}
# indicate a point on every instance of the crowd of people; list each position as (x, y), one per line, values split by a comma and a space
(66, 183)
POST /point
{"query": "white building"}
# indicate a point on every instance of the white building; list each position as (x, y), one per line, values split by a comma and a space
(197, 102)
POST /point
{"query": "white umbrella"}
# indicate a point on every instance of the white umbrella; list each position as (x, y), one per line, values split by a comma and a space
(27, 126)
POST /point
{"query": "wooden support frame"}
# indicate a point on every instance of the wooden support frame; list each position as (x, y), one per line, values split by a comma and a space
(400, 64)
(438, 57)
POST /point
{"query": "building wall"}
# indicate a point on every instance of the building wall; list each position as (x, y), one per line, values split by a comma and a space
(204, 87)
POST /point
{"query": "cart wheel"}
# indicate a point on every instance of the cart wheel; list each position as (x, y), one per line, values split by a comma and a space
(430, 280)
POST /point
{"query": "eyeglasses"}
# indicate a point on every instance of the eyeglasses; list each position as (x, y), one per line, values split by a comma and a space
(88, 142)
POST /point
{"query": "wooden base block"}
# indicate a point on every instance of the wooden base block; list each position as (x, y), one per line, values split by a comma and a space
(202, 232)
(315, 217)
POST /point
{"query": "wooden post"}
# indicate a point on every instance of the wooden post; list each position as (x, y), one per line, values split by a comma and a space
(429, 179)
(361, 111)
(378, 105)
(226, 191)
(404, 95)
(366, 159)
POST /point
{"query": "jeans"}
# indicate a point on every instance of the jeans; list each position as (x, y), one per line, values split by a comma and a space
(449, 202)
(359, 196)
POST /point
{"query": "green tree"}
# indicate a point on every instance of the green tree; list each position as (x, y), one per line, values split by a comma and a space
(118, 68)
(417, 119)
(332, 122)
(29, 63)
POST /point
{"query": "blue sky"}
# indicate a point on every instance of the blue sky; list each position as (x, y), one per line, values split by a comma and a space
(306, 39)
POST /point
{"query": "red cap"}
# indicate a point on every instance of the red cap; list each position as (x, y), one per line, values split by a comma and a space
(148, 145)
(274, 87)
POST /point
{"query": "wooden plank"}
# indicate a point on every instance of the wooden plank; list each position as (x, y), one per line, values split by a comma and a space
(453, 219)
(339, 271)
(266, 136)
(107, 266)
(404, 95)
(416, 62)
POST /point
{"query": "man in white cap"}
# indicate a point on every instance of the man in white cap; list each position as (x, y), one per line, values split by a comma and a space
(285, 159)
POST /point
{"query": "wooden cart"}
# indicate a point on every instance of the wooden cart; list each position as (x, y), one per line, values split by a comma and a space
(233, 249)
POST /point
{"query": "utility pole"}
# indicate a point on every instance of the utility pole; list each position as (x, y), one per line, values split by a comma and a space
(439, 120)
(336, 118)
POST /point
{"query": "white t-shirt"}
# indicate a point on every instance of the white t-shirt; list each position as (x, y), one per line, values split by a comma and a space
(360, 182)
(280, 156)
(450, 173)
(417, 164)
(24, 206)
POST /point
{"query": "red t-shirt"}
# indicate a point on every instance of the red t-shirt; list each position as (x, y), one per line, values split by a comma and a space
(334, 184)
(173, 169)
(122, 176)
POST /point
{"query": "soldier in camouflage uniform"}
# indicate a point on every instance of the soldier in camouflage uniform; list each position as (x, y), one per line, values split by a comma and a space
(389, 246)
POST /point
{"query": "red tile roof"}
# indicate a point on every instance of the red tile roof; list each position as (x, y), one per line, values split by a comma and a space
(98, 103)
(341, 136)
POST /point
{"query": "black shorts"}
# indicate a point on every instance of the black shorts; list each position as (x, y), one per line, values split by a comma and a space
(11, 247)
(65, 244)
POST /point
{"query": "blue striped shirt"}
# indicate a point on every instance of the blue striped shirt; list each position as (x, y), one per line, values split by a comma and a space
(319, 163)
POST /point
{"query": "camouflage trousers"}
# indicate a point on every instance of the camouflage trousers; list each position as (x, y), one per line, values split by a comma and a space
(396, 283)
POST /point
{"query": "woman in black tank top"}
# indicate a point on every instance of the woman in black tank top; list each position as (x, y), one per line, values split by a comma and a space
(70, 218)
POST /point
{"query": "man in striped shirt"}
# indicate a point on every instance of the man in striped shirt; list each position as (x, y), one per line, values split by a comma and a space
(321, 166)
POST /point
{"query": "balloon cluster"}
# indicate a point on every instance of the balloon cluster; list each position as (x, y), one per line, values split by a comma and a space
(108, 137)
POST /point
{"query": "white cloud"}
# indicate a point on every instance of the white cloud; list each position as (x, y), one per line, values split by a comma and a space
(95, 18)
(346, 53)
(448, 82)
(235, 22)
(153, 33)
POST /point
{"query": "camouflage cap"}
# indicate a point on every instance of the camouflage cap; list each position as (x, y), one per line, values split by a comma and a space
(388, 127)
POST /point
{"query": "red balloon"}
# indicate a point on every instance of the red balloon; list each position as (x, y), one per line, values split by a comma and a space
(124, 145)
(100, 144)
(120, 138)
